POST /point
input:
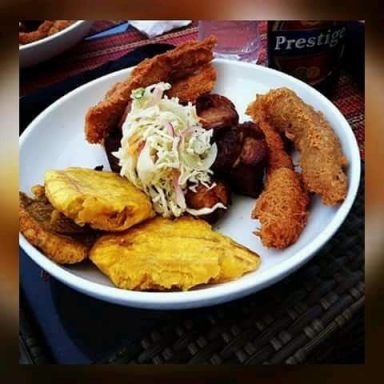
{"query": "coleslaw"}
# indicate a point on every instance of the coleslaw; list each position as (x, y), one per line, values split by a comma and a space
(165, 150)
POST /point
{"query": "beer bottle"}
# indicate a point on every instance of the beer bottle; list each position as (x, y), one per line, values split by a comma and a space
(309, 50)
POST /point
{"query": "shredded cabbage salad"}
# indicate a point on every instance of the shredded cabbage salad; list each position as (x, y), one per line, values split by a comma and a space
(165, 151)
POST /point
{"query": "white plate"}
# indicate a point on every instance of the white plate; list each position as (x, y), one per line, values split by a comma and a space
(55, 140)
(50, 46)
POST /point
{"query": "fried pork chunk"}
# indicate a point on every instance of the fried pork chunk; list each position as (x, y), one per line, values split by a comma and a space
(164, 254)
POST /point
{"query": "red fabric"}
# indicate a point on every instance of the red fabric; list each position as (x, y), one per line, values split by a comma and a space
(90, 54)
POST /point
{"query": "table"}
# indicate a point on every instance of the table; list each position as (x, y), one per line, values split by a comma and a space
(314, 315)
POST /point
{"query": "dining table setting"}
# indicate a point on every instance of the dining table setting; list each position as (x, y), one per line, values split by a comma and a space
(310, 312)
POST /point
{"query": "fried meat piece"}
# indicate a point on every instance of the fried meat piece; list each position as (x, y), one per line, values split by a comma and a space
(103, 200)
(247, 173)
(216, 111)
(164, 254)
(181, 62)
(229, 146)
(321, 156)
(246, 176)
(281, 209)
(241, 158)
(58, 237)
(207, 198)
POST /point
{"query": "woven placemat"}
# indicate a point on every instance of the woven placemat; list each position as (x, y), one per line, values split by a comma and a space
(312, 315)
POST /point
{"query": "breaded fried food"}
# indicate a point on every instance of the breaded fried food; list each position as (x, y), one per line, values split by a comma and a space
(164, 254)
(190, 87)
(38, 34)
(58, 237)
(278, 157)
(185, 67)
(59, 25)
(281, 209)
(103, 200)
(46, 28)
(321, 157)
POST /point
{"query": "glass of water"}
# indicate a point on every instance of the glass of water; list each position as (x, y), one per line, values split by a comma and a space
(236, 39)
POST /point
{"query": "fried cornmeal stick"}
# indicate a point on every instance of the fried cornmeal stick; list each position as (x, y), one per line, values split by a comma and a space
(178, 63)
(321, 157)
(282, 207)
(278, 157)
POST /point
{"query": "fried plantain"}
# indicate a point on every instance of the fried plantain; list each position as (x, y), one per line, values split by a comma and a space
(58, 237)
(104, 200)
(164, 254)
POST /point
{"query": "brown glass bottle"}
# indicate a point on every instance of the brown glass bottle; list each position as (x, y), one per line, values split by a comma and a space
(309, 50)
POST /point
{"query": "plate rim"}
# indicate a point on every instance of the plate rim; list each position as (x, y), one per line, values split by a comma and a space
(46, 39)
(217, 293)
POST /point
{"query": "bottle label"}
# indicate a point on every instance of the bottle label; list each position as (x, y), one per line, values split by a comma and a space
(310, 53)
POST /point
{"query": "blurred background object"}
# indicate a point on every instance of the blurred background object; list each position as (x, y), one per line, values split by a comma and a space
(49, 46)
(236, 39)
(310, 50)
(153, 28)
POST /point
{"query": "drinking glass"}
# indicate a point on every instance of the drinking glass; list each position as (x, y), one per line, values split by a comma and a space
(236, 39)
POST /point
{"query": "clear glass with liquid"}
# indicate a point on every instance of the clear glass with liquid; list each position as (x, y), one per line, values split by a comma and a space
(236, 39)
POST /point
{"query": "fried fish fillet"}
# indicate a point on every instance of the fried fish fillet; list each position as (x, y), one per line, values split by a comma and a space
(180, 66)
(104, 200)
(282, 208)
(321, 156)
(164, 254)
(58, 237)
(189, 88)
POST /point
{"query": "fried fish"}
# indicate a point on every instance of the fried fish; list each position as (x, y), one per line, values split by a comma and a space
(164, 254)
(58, 237)
(186, 67)
(104, 200)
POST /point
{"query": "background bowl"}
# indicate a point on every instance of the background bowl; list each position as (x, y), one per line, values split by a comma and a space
(45, 49)
(55, 140)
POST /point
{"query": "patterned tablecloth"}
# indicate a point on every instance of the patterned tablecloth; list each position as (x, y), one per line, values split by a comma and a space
(314, 315)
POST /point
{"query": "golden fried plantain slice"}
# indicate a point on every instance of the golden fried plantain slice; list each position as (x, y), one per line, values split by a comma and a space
(163, 254)
(104, 200)
(55, 235)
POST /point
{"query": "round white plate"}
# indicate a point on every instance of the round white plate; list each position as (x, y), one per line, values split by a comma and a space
(50, 46)
(55, 140)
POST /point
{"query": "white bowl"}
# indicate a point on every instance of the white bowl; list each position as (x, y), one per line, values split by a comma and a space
(55, 140)
(50, 46)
